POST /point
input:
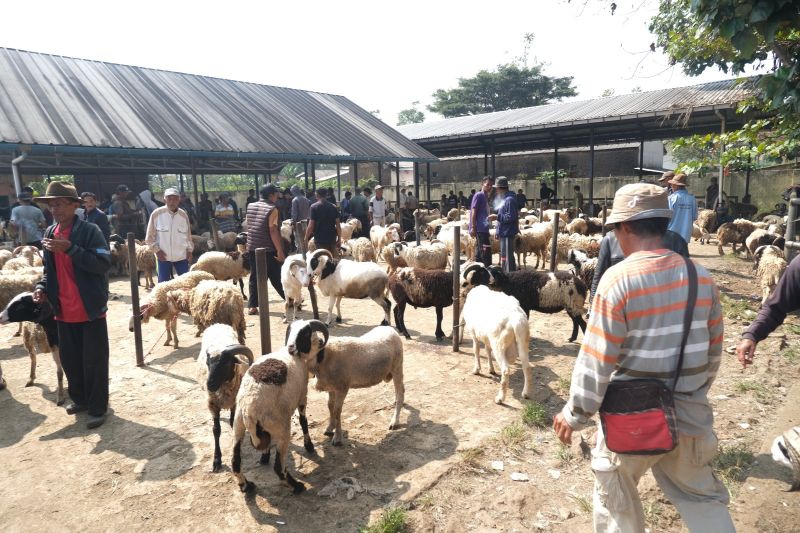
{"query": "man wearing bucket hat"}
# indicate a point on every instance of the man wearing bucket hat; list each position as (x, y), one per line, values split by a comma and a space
(684, 208)
(28, 220)
(76, 260)
(169, 236)
(636, 330)
(507, 224)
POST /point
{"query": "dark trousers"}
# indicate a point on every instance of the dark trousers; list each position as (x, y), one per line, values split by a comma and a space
(165, 269)
(483, 249)
(83, 348)
(273, 273)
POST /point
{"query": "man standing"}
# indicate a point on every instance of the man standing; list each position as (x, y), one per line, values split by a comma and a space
(522, 200)
(204, 210)
(508, 224)
(28, 220)
(578, 200)
(263, 231)
(635, 331)
(94, 215)
(479, 222)
(251, 197)
(324, 225)
(125, 218)
(300, 206)
(452, 200)
(346, 205)
(377, 207)
(76, 261)
(683, 206)
(359, 207)
(546, 195)
(169, 236)
(664, 180)
(712, 192)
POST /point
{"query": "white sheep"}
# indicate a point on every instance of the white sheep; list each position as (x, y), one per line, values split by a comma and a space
(5, 255)
(272, 389)
(431, 256)
(294, 276)
(381, 236)
(535, 240)
(225, 266)
(360, 249)
(583, 265)
(447, 236)
(770, 266)
(503, 331)
(221, 365)
(210, 302)
(145, 263)
(350, 227)
(359, 362)
(549, 214)
(343, 278)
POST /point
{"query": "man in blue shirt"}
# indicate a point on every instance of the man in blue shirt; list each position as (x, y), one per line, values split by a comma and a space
(479, 222)
(507, 224)
(683, 206)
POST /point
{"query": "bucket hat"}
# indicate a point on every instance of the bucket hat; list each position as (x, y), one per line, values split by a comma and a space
(59, 189)
(637, 201)
(678, 180)
(501, 183)
(666, 176)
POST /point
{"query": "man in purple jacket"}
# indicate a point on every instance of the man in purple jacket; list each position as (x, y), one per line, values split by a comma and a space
(479, 222)
(507, 224)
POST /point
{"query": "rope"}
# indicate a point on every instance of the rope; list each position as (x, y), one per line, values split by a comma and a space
(150, 351)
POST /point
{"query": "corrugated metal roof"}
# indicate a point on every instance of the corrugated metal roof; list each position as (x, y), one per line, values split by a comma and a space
(61, 101)
(664, 102)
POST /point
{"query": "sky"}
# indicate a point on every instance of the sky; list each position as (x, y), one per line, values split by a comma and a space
(381, 55)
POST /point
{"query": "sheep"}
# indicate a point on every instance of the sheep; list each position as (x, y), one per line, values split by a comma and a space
(359, 249)
(583, 265)
(504, 332)
(120, 260)
(221, 365)
(225, 266)
(274, 386)
(356, 363)
(210, 302)
(420, 288)
(761, 237)
(432, 256)
(227, 241)
(431, 229)
(145, 263)
(447, 236)
(785, 451)
(199, 246)
(427, 216)
(535, 240)
(23, 257)
(294, 276)
(700, 234)
(734, 233)
(706, 219)
(393, 262)
(39, 334)
(549, 214)
(578, 225)
(339, 279)
(2, 381)
(579, 242)
(5, 255)
(770, 265)
(287, 234)
(454, 214)
(381, 236)
(350, 227)
(156, 305)
(545, 292)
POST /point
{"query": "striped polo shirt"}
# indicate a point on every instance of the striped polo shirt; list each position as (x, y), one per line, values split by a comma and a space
(635, 331)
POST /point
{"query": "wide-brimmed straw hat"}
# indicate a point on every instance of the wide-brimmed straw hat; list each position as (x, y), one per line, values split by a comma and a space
(58, 189)
(678, 180)
(638, 201)
(666, 176)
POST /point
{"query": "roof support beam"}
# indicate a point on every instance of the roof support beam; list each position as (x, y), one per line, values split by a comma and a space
(591, 173)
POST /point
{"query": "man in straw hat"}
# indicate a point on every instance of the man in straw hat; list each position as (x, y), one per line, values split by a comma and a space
(76, 259)
(684, 208)
(640, 305)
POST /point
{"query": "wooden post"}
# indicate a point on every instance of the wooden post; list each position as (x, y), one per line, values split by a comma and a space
(456, 287)
(137, 317)
(554, 247)
(263, 299)
(215, 236)
(312, 295)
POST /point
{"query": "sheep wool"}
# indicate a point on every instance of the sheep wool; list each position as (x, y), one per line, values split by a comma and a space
(211, 302)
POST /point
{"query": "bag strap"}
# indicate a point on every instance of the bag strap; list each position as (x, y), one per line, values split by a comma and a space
(688, 315)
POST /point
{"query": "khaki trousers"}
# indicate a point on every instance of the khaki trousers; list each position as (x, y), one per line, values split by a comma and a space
(685, 476)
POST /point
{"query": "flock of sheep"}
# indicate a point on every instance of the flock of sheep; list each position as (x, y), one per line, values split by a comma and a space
(262, 393)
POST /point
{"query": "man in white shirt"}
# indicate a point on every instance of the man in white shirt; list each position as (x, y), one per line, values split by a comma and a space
(377, 208)
(169, 236)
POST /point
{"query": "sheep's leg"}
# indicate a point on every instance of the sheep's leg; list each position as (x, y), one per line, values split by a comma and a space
(501, 394)
(169, 332)
(338, 309)
(399, 398)
(241, 288)
(217, 464)
(33, 370)
(331, 301)
(386, 305)
(331, 421)
(19, 330)
(337, 410)
(577, 322)
(307, 444)
(236, 460)
(174, 326)
(439, 332)
(491, 352)
(399, 319)
(289, 304)
(476, 349)
(233, 414)
(281, 470)
(59, 376)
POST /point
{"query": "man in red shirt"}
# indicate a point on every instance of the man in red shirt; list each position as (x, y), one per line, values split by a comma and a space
(76, 260)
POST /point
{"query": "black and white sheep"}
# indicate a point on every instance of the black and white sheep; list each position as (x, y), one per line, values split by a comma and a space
(762, 237)
(420, 288)
(339, 279)
(221, 365)
(583, 265)
(39, 333)
(355, 363)
(503, 331)
(274, 386)
(294, 277)
(544, 292)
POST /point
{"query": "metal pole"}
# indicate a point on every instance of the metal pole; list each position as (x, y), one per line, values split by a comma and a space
(791, 246)
(456, 286)
(215, 234)
(15, 171)
(493, 158)
(137, 316)
(380, 171)
(203, 182)
(555, 170)
(180, 178)
(255, 180)
(269, 177)
(194, 187)
(554, 246)
(641, 158)
(305, 173)
(747, 178)
(416, 193)
(339, 180)
(428, 185)
(355, 175)
(591, 173)
(721, 154)
(397, 195)
(314, 177)
(605, 215)
(485, 162)
(263, 299)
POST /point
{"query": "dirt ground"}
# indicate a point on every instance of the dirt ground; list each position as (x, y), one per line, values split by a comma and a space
(149, 466)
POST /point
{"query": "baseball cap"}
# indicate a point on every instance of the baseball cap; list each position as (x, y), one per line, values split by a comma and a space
(172, 191)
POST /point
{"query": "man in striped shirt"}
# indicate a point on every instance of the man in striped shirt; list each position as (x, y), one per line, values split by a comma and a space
(634, 332)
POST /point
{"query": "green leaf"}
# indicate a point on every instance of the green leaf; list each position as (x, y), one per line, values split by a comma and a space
(761, 12)
(746, 42)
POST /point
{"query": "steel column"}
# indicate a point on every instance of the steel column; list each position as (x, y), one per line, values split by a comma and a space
(397, 193)
(428, 184)
(641, 158)
(194, 187)
(339, 180)
(591, 172)
(416, 181)
(494, 175)
(485, 162)
(555, 169)
(180, 178)
(380, 171)
(203, 182)
(305, 174)
(456, 287)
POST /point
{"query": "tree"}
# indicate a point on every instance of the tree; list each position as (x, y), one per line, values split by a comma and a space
(412, 115)
(511, 86)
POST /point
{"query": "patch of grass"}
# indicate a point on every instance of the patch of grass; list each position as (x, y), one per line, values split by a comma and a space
(425, 501)
(471, 457)
(564, 454)
(791, 354)
(653, 513)
(392, 520)
(732, 464)
(794, 329)
(562, 385)
(584, 503)
(733, 308)
(512, 436)
(761, 392)
(535, 414)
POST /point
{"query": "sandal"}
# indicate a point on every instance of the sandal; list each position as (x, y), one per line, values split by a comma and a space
(253, 311)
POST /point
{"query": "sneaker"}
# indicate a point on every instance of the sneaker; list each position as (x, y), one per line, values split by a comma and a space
(95, 421)
(73, 408)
